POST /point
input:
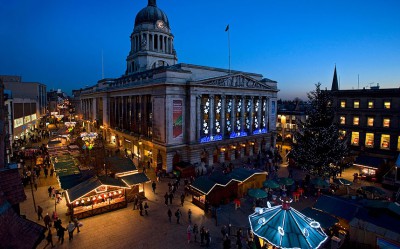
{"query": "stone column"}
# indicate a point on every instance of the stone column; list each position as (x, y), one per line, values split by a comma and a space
(242, 120)
(212, 115)
(259, 111)
(199, 116)
(233, 115)
(251, 114)
(94, 109)
(222, 119)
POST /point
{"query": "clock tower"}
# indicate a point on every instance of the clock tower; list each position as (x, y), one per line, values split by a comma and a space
(152, 44)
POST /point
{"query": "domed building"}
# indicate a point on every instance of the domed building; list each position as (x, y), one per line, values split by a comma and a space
(163, 113)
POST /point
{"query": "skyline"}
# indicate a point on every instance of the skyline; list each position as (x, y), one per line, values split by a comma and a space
(60, 43)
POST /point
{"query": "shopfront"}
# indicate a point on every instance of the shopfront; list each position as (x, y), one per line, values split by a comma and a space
(96, 196)
(368, 166)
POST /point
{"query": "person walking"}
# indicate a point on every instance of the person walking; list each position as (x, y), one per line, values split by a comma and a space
(182, 199)
(169, 215)
(153, 186)
(70, 228)
(141, 208)
(76, 223)
(39, 212)
(145, 208)
(49, 239)
(47, 220)
(239, 239)
(190, 216)
(189, 233)
(166, 198)
(178, 216)
(195, 232)
(60, 234)
(46, 172)
(170, 196)
(207, 237)
(135, 202)
(50, 189)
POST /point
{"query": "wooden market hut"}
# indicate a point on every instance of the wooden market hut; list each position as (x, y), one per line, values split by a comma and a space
(136, 183)
(120, 166)
(97, 195)
(247, 179)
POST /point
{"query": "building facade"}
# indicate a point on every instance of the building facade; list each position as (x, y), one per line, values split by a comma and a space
(370, 118)
(163, 112)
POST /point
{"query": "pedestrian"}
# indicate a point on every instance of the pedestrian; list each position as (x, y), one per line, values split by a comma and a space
(178, 216)
(60, 234)
(49, 239)
(227, 243)
(57, 224)
(170, 196)
(224, 231)
(169, 187)
(135, 202)
(195, 232)
(141, 208)
(169, 215)
(76, 223)
(49, 190)
(39, 212)
(71, 228)
(182, 199)
(153, 186)
(145, 208)
(190, 216)
(166, 198)
(51, 171)
(239, 239)
(189, 233)
(46, 172)
(202, 235)
(207, 237)
(47, 220)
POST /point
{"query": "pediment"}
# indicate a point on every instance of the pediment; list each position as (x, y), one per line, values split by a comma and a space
(235, 81)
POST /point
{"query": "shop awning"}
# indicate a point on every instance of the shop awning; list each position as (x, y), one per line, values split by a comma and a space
(326, 220)
(91, 184)
(337, 207)
(203, 184)
(135, 179)
(242, 174)
(368, 161)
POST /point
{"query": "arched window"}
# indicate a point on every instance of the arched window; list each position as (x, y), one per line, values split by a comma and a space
(159, 63)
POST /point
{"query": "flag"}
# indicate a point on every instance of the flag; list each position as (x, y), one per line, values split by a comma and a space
(227, 28)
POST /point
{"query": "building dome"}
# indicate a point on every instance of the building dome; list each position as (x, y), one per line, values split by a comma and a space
(151, 14)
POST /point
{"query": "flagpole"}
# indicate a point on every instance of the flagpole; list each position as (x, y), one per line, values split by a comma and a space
(229, 48)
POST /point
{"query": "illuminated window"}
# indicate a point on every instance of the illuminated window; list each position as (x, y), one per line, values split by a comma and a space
(370, 104)
(370, 121)
(385, 141)
(386, 104)
(342, 134)
(386, 122)
(356, 104)
(355, 138)
(342, 120)
(398, 143)
(343, 103)
(356, 120)
(369, 140)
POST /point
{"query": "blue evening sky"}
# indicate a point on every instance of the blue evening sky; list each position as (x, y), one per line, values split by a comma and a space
(295, 42)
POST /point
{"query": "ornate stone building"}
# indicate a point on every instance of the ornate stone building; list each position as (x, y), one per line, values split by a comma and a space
(164, 112)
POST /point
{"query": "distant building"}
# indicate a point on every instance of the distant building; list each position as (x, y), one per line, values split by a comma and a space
(371, 120)
(289, 114)
(163, 112)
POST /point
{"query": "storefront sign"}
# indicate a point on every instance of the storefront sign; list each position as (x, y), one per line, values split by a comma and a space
(27, 119)
(33, 117)
(18, 122)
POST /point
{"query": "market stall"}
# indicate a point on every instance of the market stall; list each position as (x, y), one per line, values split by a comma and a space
(96, 196)
(247, 179)
(136, 183)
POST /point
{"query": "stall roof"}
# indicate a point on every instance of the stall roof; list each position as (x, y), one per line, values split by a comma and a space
(220, 178)
(91, 184)
(368, 161)
(120, 164)
(203, 184)
(242, 174)
(10, 185)
(337, 206)
(326, 220)
(135, 179)
(69, 181)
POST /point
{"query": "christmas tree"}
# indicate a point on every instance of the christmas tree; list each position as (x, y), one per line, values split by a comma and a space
(319, 146)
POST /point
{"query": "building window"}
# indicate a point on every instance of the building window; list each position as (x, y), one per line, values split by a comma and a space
(342, 134)
(356, 104)
(398, 143)
(386, 122)
(343, 103)
(342, 120)
(385, 141)
(370, 104)
(356, 120)
(369, 140)
(386, 104)
(370, 121)
(355, 138)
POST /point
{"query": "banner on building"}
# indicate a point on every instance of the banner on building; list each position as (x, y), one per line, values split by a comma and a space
(177, 118)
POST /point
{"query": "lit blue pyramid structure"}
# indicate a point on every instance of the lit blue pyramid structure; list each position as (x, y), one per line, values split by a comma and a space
(285, 227)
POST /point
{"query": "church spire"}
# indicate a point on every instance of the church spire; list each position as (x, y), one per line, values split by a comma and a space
(335, 85)
(152, 3)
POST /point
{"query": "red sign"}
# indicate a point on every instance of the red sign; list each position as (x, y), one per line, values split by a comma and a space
(177, 118)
